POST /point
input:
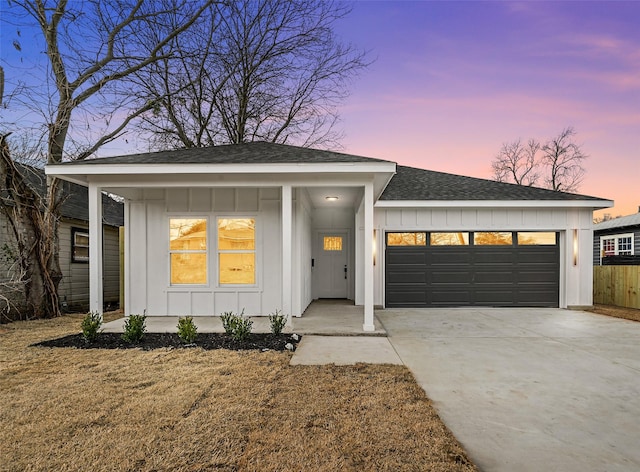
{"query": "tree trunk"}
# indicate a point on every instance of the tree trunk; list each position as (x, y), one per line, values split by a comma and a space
(36, 233)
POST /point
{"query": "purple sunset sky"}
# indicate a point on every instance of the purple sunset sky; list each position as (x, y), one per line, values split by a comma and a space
(452, 81)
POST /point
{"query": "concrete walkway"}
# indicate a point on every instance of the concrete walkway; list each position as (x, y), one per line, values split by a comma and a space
(344, 350)
(322, 317)
(528, 389)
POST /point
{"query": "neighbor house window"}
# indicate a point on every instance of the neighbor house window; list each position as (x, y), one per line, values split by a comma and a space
(616, 245)
(449, 239)
(237, 251)
(188, 251)
(537, 238)
(79, 245)
(407, 239)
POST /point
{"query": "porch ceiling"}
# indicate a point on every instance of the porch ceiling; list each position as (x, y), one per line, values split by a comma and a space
(348, 197)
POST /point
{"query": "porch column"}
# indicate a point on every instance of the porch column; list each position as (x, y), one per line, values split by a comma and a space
(95, 248)
(368, 258)
(287, 265)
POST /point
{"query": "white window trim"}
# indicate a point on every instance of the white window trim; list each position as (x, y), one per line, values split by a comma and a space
(207, 251)
(74, 233)
(616, 238)
(255, 250)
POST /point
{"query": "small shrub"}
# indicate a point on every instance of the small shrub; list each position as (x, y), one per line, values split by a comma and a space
(242, 328)
(134, 328)
(187, 330)
(229, 320)
(277, 321)
(91, 324)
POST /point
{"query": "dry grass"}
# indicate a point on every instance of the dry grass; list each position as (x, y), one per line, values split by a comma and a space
(617, 312)
(195, 410)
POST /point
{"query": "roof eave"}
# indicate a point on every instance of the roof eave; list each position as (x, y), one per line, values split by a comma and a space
(593, 204)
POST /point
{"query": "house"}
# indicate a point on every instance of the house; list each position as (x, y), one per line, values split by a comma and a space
(262, 226)
(617, 241)
(74, 240)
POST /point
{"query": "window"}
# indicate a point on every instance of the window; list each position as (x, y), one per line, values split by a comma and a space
(188, 251)
(407, 239)
(449, 239)
(616, 245)
(332, 243)
(537, 238)
(237, 251)
(492, 238)
(79, 245)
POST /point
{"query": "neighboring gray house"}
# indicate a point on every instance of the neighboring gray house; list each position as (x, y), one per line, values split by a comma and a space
(262, 226)
(74, 247)
(617, 241)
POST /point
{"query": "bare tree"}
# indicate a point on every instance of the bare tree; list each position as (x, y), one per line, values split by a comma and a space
(558, 162)
(256, 70)
(563, 159)
(517, 163)
(92, 48)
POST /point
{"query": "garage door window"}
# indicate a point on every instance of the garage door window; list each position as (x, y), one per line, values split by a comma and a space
(492, 238)
(449, 239)
(537, 239)
(406, 239)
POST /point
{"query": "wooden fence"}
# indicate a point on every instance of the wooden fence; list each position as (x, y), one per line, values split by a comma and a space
(617, 285)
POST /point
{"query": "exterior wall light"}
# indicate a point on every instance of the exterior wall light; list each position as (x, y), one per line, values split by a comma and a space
(374, 247)
(575, 247)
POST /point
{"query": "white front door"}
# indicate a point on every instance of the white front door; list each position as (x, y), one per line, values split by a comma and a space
(331, 273)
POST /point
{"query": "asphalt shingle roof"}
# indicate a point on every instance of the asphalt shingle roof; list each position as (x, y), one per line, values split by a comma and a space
(620, 222)
(76, 203)
(410, 183)
(247, 153)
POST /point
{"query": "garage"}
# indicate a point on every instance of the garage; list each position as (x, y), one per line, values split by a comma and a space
(481, 268)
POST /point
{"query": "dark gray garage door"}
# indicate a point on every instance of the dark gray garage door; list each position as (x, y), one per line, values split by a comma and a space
(463, 269)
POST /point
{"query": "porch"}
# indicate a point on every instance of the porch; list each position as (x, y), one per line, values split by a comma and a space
(322, 317)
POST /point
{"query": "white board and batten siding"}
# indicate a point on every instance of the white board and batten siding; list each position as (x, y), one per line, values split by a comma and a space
(148, 281)
(576, 279)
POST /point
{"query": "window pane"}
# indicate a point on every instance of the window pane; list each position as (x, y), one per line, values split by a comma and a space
(609, 247)
(236, 233)
(332, 243)
(537, 239)
(449, 239)
(492, 238)
(406, 239)
(188, 234)
(237, 268)
(80, 253)
(81, 239)
(624, 246)
(188, 268)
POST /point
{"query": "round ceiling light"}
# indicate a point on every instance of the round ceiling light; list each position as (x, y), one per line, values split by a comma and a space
(331, 199)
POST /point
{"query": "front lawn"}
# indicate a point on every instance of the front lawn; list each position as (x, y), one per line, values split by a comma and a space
(69, 409)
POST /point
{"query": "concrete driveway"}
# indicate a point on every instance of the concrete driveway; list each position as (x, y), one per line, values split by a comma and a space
(528, 389)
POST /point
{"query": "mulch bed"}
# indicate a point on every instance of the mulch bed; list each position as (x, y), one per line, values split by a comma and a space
(208, 341)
